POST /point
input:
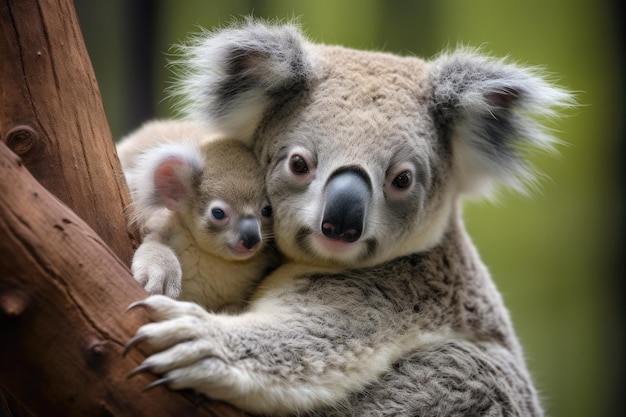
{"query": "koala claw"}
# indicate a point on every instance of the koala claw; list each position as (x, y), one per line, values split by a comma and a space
(159, 308)
(160, 381)
(135, 305)
(132, 342)
(144, 367)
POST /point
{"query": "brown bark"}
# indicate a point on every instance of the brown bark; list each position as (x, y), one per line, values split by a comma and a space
(64, 282)
(52, 115)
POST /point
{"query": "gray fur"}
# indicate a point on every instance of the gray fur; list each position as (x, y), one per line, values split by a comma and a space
(489, 103)
(405, 321)
(233, 75)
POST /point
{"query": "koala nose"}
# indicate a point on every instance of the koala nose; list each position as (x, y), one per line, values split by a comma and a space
(347, 196)
(249, 232)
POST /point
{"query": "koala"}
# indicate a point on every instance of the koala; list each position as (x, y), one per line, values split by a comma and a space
(382, 306)
(199, 201)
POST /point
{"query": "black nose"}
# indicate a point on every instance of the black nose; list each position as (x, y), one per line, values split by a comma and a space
(347, 195)
(249, 232)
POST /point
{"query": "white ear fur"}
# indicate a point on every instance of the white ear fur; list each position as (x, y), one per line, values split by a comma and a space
(164, 177)
(491, 110)
(229, 78)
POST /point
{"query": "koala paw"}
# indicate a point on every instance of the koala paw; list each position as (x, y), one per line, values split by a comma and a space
(156, 267)
(190, 353)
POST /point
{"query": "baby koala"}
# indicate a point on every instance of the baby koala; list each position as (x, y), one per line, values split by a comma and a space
(199, 201)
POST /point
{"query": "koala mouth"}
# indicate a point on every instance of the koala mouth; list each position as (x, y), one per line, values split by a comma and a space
(241, 251)
(248, 238)
(336, 246)
(336, 251)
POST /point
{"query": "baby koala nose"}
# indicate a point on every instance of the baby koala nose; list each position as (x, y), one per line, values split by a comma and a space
(249, 233)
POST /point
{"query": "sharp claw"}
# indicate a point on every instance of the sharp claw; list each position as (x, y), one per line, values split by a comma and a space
(140, 303)
(135, 340)
(141, 368)
(161, 381)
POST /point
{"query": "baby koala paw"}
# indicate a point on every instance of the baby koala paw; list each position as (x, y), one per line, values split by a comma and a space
(157, 269)
(187, 348)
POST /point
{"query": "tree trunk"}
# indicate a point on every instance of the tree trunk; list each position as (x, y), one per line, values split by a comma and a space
(52, 115)
(64, 282)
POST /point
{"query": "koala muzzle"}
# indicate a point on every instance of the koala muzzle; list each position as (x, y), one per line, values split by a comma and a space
(249, 232)
(347, 196)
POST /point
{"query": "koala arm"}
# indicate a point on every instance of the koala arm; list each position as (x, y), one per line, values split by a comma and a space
(159, 179)
(156, 267)
(286, 354)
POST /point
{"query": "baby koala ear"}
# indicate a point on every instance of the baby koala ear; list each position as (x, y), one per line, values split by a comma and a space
(491, 110)
(173, 178)
(230, 77)
(165, 178)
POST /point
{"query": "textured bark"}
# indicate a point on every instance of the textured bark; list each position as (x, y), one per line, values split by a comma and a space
(52, 115)
(64, 281)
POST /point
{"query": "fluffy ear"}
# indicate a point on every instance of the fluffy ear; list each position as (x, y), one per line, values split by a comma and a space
(489, 109)
(230, 77)
(165, 177)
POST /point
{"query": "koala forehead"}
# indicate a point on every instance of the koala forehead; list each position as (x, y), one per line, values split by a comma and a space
(368, 107)
(365, 78)
(231, 173)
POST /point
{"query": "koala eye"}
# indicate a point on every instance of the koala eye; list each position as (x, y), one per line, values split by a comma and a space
(402, 180)
(266, 211)
(298, 164)
(218, 213)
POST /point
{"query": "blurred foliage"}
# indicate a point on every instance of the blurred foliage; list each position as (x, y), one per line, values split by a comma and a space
(556, 255)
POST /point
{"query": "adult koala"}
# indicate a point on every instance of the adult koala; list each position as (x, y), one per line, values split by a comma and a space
(383, 306)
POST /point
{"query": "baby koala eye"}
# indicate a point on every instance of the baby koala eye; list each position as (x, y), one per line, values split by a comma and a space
(218, 213)
(402, 180)
(298, 164)
(266, 211)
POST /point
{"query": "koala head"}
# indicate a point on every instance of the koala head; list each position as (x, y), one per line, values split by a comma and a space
(365, 153)
(216, 190)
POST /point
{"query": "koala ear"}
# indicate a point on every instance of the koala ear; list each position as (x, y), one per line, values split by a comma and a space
(488, 108)
(164, 178)
(229, 78)
(173, 181)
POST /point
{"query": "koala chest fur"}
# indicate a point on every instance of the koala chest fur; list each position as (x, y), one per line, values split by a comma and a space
(211, 281)
(382, 306)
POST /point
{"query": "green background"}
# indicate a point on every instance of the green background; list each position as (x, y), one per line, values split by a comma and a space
(556, 255)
